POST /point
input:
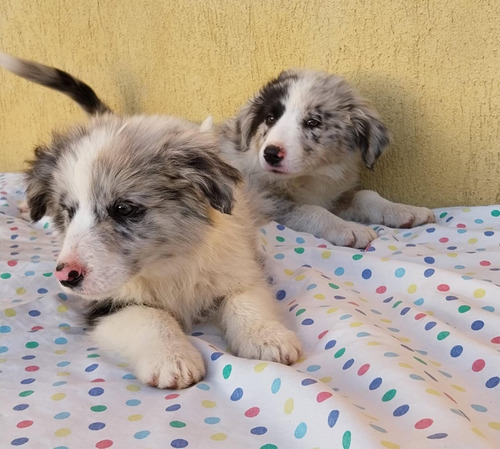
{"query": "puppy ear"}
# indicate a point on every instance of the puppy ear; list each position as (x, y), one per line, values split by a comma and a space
(370, 135)
(38, 183)
(215, 179)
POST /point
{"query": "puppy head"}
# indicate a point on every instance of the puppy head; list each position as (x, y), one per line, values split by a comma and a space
(306, 119)
(126, 194)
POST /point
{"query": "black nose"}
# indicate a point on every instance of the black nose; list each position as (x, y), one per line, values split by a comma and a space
(272, 155)
(74, 279)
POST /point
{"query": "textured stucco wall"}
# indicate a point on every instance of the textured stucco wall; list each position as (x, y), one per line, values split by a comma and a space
(432, 69)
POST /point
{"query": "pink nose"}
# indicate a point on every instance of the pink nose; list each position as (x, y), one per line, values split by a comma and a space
(70, 274)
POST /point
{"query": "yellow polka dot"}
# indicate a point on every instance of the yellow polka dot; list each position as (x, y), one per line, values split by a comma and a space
(3, 360)
(134, 417)
(386, 320)
(63, 374)
(326, 254)
(123, 365)
(477, 432)
(471, 241)
(133, 387)
(373, 343)
(326, 379)
(62, 308)
(452, 254)
(479, 293)
(288, 272)
(429, 312)
(433, 392)
(392, 247)
(332, 310)
(494, 425)
(412, 288)
(218, 437)
(433, 362)
(20, 291)
(288, 408)
(260, 367)
(10, 312)
(405, 365)
(58, 396)
(349, 284)
(373, 418)
(208, 404)
(404, 339)
(300, 277)
(384, 259)
(356, 324)
(459, 388)
(319, 296)
(60, 351)
(466, 209)
(390, 445)
(62, 432)
(263, 241)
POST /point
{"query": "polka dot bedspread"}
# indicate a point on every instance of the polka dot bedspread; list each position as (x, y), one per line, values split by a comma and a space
(401, 349)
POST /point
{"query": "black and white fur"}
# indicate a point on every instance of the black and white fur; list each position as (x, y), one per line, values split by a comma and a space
(156, 235)
(301, 142)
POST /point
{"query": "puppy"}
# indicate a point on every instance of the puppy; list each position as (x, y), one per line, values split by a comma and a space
(301, 142)
(156, 236)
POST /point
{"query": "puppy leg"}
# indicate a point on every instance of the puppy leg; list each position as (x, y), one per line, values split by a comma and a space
(253, 329)
(154, 343)
(368, 206)
(322, 223)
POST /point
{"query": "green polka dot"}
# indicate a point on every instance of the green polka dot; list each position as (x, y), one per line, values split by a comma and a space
(443, 214)
(299, 250)
(93, 356)
(177, 424)
(346, 440)
(335, 287)
(23, 394)
(463, 309)
(495, 213)
(442, 335)
(339, 353)
(47, 275)
(300, 312)
(98, 408)
(280, 239)
(389, 395)
(269, 446)
(46, 225)
(357, 256)
(5, 275)
(397, 303)
(32, 344)
(226, 371)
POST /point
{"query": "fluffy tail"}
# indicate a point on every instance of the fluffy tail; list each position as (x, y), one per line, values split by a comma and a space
(55, 79)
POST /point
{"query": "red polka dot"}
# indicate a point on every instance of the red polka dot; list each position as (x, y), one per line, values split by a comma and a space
(419, 316)
(23, 424)
(323, 396)
(320, 336)
(171, 396)
(14, 228)
(103, 444)
(478, 365)
(12, 263)
(444, 239)
(443, 287)
(461, 226)
(485, 263)
(322, 246)
(98, 380)
(36, 328)
(496, 340)
(32, 368)
(424, 423)
(363, 369)
(381, 289)
(252, 412)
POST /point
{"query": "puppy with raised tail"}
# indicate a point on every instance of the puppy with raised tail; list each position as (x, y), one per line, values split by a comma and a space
(301, 142)
(156, 235)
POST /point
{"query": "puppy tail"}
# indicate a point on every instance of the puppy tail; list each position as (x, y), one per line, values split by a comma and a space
(55, 79)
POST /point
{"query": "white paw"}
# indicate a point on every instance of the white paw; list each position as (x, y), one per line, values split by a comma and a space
(404, 216)
(174, 368)
(268, 341)
(351, 234)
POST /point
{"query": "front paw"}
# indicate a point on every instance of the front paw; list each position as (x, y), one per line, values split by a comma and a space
(268, 341)
(351, 234)
(174, 368)
(404, 216)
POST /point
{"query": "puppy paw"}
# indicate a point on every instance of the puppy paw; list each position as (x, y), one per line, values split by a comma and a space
(268, 341)
(404, 216)
(352, 234)
(174, 369)
(24, 211)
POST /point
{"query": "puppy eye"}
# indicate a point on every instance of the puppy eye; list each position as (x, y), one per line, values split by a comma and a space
(270, 120)
(126, 210)
(313, 123)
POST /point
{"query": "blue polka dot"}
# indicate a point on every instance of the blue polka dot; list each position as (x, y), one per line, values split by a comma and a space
(20, 407)
(216, 355)
(300, 431)
(91, 368)
(478, 221)
(28, 357)
(96, 391)
(141, 434)
(28, 381)
(203, 386)
(179, 443)
(133, 402)
(400, 272)
(430, 325)
(5, 329)
(212, 420)
(42, 291)
(405, 310)
(456, 351)
(477, 325)
(19, 441)
(401, 410)
(459, 267)
(492, 382)
(375, 383)
(489, 233)
(429, 260)
(261, 430)
(29, 273)
(429, 272)
(63, 364)
(308, 322)
(311, 286)
(330, 344)
(276, 385)
(63, 296)
(333, 416)
(3, 349)
(299, 240)
(62, 415)
(419, 301)
(451, 298)
(129, 376)
(279, 256)
(237, 394)
(34, 313)
(366, 274)
(173, 408)
(348, 364)
(339, 271)
(313, 368)
(97, 426)
(280, 295)
(308, 381)
(280, 227)
(60, 341)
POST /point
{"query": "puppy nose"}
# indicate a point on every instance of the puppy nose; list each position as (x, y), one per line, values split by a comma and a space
(70, 274)
(273, 155)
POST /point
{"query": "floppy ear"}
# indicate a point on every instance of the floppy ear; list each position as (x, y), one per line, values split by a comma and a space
(370, 135)
(215, 179)
(38, 182)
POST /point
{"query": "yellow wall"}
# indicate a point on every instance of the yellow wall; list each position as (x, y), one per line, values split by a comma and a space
(432, 68)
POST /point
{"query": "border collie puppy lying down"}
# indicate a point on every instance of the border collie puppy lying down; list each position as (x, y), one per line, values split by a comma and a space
(156, 235)
(301, 142)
